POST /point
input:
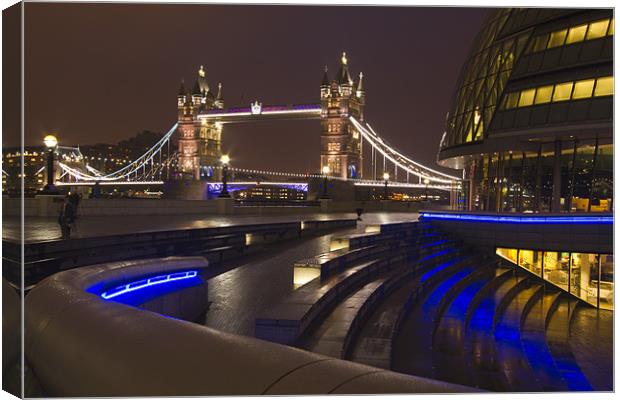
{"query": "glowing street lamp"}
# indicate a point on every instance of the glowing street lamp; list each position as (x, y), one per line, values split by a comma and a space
(386, 178)
(224, 160)
(50, 142)
(426, 182)
(326, 170)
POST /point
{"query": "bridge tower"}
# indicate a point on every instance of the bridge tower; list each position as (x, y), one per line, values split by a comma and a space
(341, 144)
(200, 141)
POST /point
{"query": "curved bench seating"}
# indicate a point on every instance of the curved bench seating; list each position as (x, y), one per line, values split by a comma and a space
(79, 345)
(386, 287)
(309, 304)
(286, 322)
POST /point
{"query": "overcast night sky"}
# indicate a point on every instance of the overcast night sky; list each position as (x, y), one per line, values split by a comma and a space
(103, 72)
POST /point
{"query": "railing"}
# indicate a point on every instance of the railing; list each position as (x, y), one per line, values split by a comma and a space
(92, 347)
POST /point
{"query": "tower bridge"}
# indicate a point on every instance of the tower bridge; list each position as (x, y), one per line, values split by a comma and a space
(346, 140)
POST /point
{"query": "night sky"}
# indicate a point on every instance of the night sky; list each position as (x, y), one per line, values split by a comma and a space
(103, 72)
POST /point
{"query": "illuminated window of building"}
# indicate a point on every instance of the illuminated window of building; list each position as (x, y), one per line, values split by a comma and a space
(597, 29)
(604, 86)
(606, 286)
(557, 38)
(333, 146)
(540, 43)
(512, 99)
(562, 91)
(531, 260)
(543, 94)
(527, 97)
(584, 276)
(583, 89)
(508, 254)
(576, 34)
(611, 28)
(556, 268)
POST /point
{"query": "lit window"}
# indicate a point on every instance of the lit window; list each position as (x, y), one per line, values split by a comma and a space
(597, 29)
(604, 86)
(576, 34)
(583, 89)
(543, 94)
(540, 43)
(512, 99)
(527, 97)
(557, 38)
(562, 91)
(611, 27)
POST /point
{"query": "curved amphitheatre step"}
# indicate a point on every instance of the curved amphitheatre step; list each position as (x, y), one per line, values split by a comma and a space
(392, 283)
(335, 334)
(340, 273)
(414, 341)
(479, 349)
(425, 282)
(329, 337)
(449, 338)
(558, 337)
(287, 321)
(512, 364)
(533, 341)
(591, 342)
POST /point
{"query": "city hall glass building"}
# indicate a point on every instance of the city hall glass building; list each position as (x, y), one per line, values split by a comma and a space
(531, 125)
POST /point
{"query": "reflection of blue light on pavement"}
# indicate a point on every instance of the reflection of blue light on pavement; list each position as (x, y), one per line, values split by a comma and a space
(522, 219)
(148, 282)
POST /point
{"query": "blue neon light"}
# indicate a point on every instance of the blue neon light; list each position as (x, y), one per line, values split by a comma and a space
(522, 220)
(144, 283)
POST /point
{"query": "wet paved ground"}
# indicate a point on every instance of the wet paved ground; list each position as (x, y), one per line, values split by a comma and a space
(40, 228)
(240, 295)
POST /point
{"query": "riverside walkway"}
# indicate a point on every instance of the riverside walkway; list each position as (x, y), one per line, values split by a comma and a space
(42, 229)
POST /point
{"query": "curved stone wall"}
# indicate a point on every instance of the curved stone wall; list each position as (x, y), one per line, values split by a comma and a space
(79, 345)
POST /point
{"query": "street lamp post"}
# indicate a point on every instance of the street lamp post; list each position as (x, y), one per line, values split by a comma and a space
(326, 170)
(426, 182)
(225, 160)
(50, 143)
(386, 177)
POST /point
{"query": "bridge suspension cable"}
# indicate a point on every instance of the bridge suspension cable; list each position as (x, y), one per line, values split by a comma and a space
(398, 159)
(130, 169)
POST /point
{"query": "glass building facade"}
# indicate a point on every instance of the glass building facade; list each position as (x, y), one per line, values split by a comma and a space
(531, 122)
(588, 276)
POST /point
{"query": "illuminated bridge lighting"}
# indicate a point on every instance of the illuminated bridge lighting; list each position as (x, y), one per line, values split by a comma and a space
(403, 185)
(304, 109)
(217, 186)
(586, 219)
(109, 183)
(146, 283)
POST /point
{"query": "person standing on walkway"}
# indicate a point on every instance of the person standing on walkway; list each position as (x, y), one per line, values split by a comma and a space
(66, 217)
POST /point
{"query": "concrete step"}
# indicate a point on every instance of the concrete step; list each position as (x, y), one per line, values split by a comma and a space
(420, 325)
(480, 335)
(512, 363)
(592, 344)
(533, 341)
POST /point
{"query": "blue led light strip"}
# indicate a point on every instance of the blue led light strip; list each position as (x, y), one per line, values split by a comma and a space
(523, 220)
(144, 283)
